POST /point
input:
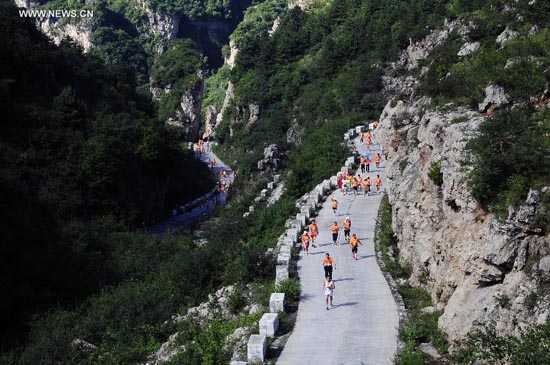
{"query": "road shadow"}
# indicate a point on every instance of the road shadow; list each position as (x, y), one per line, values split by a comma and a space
(345, 304)
(364, 257)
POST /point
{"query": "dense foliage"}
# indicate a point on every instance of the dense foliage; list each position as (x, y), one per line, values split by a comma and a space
(510, 156)
(82, 160)
(531, 347)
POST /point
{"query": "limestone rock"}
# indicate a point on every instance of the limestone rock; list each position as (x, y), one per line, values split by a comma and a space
(429, 350)
(236, 343)
(506, 35)
(544, 268)
(210, 121)
(295, 133)
(274, 159)
(254, 110)
(468, 49)
(494, 97)
(233, 50)
(187, 115)
(83, 346)
(167, 351)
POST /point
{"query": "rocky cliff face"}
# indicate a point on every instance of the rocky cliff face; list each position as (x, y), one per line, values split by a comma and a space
(161, 26)
(188, 113)
(480, 271)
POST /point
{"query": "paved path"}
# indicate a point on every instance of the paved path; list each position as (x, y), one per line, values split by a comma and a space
(192, 213)
(362, 326)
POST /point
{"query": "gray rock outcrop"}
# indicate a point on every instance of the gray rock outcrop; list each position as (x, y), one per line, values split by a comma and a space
(506, 35)
(468, 49)
(470, 256)
(274, 159)
(187, 115)
(495, 97)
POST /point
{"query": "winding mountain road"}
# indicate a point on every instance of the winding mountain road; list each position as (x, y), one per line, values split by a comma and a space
(198, 210)
(362, 326)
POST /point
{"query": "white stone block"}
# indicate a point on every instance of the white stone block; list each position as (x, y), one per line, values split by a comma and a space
(246, 214)
(293, 233)
(281, 273)
(283, 259)
(238, 363)
(271, 185)
(258, 199)
(277, 302)
(256, 348)
(251, 208)
(276, 179)
(269, 324)
(300, 217)
(263, 193)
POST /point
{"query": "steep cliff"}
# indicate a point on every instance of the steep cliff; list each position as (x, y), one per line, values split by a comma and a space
(482, 271)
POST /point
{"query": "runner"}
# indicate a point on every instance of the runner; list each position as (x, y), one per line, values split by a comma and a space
(313, 232)
(329, 287)
(335, 229)
(355, 185)
(367, 164)
(375, 124)
(377, 160)
(361, 136)
(174, 214)
(305, 242)
(362, 162)
(354, 244)
(346, 224)
(334, 203)
(378, 183)
(366, 185)
(328, 265)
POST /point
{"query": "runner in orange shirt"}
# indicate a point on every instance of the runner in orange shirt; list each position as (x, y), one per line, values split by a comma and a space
(361, 136)
(305, 242)
(355, 185)
(313, 232)
(328, 265)
(346, 224)
(377, 160)
(354, 244)
(378, 182)
(335, 229)
(334, 204)
(366, 186)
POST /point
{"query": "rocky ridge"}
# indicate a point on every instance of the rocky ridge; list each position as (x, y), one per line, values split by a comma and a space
(479, 270)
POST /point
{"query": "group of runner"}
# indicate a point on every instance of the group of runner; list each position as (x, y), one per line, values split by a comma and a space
(346, 182)
(358, 184)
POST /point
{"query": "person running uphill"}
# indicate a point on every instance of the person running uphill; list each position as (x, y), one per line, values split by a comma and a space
(378, 183)
(334, 229)
(328, 265)
(377, 160)
(334, 204)
(354, 244)
(346, 224)
(305, 242)
(366, 186)
(329, 287)
(313, 232)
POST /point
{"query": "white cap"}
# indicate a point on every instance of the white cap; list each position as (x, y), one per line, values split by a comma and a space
(347, 217)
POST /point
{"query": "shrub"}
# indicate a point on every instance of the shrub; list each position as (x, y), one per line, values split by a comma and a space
(503, 301)
(531, 347)
(435, 174)
(291, 288)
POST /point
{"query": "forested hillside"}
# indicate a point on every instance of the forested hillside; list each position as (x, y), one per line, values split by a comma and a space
(86, 156)
(83, 162)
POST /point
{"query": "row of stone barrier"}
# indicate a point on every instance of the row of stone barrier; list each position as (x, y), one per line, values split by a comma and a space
(308, 205)
(263, 194)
